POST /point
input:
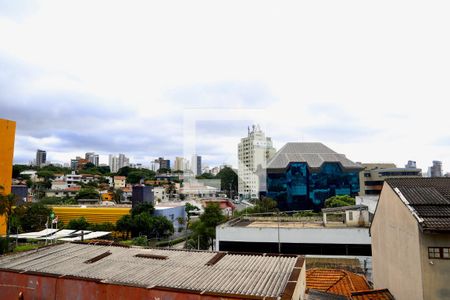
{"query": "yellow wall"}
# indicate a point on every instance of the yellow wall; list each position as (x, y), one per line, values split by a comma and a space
(91, 214)
(7, 136)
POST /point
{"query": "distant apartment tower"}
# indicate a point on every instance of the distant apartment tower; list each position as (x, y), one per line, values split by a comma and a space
(436, 169)
(118, 162)
(196, 165)
(371, 179)
(163, 163)
(179, 164)
(92, 158)
(253, 152)
(411, 164)
(41, 158)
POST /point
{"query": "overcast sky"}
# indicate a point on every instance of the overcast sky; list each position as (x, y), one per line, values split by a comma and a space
(370, 79)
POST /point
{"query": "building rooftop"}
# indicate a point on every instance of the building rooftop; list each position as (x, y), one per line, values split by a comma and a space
(345, 208)
(314, 154)
(339, 282)
(428, 199)
(382, 294)
(194, 271)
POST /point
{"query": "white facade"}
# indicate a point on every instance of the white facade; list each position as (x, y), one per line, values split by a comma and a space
(253, 151)
(319, 235)
(159, 193)
(118, 162)
(73, 179)
(179, 164)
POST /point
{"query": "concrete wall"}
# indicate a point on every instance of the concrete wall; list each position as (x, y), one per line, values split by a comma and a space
(396, 255)
(319, 235)
(357, 217)
(435, 272)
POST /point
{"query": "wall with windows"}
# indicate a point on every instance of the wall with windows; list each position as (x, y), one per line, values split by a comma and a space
(435, 254)
(298, 187)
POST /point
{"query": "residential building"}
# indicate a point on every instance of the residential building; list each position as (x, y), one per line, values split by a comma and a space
(371, 179)
(108, 271)
(253, 152)
(179, 164)
(411, 164)
(62, 193)
(73, 179)
(154, 165)
(41, 158)
(339, 231)
(214, 171)
(119, 182)
(160, 194)
(163, 163)
(303, 175)
(142, 194)
(118, 162)
(411, 238)
(196, 165)
(436, 169)
(92, 158)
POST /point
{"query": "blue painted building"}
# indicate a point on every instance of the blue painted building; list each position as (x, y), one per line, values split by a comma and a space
(172, 213)
(302, 176)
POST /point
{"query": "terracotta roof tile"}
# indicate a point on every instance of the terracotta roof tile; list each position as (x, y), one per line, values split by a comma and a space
(334, 281)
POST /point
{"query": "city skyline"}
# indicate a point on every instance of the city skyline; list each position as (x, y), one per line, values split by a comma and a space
(370, 89)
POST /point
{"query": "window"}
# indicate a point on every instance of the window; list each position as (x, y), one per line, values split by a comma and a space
(350, 216)
(439, 252)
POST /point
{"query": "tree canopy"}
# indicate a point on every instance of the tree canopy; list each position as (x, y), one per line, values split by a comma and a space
(87, 193)
(204, 230)
(338, 201)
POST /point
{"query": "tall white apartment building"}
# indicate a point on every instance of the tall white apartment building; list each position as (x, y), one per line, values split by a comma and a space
(253, 152)
(116, 163)
(92, 158)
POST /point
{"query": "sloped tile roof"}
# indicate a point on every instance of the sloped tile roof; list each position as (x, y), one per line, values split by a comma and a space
(314, 154)
(428, 199)
(382, 294)
(334, 281)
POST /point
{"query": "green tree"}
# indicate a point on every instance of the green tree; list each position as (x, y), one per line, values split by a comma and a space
(78, 224)
(338, 201)
(143, 207)
(205, 176)
(204, 230)
(125, 225)
(87, 193)
(228, 179)
(35, 216)
(17, 169)
(6, 208)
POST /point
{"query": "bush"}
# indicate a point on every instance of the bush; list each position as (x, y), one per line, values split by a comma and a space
(78, 224)
(4, 245)
(140, 241)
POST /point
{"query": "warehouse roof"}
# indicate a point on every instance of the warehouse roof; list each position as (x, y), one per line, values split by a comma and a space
(194, 271)
(428, 199)
(314, 154)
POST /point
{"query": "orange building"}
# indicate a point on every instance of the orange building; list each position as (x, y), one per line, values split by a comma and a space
(7, 136)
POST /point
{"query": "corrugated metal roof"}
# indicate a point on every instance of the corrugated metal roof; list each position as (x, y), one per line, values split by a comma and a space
(252, 275)
(314, 154)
